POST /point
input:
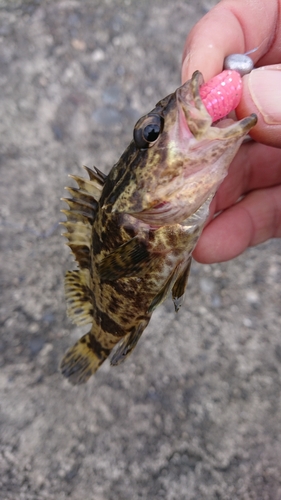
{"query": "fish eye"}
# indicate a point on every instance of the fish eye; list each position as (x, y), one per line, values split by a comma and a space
(147, 130)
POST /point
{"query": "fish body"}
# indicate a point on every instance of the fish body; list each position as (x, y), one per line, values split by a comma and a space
(133, 232)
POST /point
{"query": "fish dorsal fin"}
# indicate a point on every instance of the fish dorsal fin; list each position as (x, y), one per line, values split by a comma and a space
(79, 296)
(180, 284)
(92, 186)
(79, 240)
(81, 214)
(127, 260)
(127, 344)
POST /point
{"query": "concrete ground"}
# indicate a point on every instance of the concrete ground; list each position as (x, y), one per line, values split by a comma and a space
(195, 413)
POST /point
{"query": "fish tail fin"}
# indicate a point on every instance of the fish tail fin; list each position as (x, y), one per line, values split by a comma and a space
(83, 359)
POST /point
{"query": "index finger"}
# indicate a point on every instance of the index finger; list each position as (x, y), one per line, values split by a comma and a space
(232, 26)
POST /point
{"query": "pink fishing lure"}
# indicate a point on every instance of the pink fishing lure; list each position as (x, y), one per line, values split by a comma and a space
(222, 94)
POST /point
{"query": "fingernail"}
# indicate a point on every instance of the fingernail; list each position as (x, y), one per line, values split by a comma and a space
(185, 72)
(265, 88)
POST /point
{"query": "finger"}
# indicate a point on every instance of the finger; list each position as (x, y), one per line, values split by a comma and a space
(231, 27)
(250, 222)
(255, 166)
(262, 95)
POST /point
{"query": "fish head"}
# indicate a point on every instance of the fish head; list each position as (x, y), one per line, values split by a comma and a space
(179, 158)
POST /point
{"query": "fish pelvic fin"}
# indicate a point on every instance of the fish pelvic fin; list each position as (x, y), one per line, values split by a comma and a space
(79, 296)
(163, 292)
(83, 359)
(81, 213)
(180, 284)
(128, 343)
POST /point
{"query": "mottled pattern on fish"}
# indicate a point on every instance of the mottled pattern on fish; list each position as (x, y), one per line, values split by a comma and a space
(133, 232)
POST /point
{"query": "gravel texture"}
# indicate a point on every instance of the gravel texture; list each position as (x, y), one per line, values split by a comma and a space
(194, 414)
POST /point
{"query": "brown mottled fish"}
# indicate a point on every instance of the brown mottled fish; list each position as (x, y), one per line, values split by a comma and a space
(133, 232)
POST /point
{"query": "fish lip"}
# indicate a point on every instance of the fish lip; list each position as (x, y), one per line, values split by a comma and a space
(194, 109)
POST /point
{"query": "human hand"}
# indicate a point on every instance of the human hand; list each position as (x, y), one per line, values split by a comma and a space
(238, 26)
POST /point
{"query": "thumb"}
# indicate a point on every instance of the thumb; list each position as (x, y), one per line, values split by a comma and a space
(262, 95)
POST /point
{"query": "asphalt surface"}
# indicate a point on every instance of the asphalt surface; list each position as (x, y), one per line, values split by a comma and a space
(195, 412)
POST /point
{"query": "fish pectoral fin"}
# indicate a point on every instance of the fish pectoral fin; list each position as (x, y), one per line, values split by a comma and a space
(127, 260)
(79, 296)
(127, 344)
(83, 359)
(180, 284)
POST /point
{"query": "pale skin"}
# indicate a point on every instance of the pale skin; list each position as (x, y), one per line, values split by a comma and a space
(238, 26)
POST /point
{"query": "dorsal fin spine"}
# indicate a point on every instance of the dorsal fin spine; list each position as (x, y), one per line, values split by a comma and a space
(83, 206)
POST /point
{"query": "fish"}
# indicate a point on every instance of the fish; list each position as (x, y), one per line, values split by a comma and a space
(133, 231)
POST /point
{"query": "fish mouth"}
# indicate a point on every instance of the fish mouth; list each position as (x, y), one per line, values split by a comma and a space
(199, 153)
